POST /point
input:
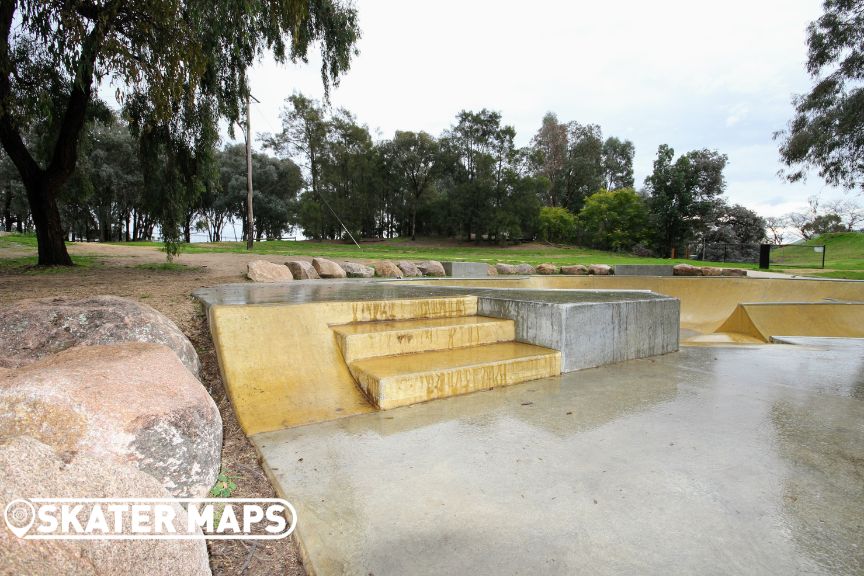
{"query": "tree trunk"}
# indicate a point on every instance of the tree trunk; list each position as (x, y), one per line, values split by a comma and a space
(46, 218)
(414, 222)
(249, 214)
(7, 209)
(187, 229)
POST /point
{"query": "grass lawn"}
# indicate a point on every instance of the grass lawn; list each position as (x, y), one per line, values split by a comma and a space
(27, 265)
(404, 249)
(844, 256)
(840, 274)
(14, 240)
(844, 253)
(166, 267)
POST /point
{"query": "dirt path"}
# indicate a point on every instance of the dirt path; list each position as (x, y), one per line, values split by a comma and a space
(169, 292)
(215, 264)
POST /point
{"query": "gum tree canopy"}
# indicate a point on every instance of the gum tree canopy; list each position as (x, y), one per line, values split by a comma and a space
(179, 65)
(827, 132)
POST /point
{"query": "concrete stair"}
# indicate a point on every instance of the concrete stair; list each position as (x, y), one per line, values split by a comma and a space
(362, 340)
(402, 362)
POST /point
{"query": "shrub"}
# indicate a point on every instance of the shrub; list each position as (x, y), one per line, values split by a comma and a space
(557, 225)
(615, 220)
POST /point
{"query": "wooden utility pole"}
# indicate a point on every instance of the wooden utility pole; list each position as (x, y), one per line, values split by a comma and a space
(250, 221)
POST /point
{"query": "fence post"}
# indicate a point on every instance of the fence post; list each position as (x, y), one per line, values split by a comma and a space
(764, 256)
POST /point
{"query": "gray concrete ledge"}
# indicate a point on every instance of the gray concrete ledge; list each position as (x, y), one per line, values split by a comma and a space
(466, 269)
(644, 270)
(591, 334)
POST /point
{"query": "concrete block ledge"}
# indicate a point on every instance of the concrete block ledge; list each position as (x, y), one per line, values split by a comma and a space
(590, 334)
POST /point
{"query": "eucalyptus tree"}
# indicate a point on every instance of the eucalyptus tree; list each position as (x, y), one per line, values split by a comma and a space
(683, 194)
(277, 184)
(304, 134)
(471, 144)
(827, 131)
(350, 178)
(549, 147)
(181, 64)
(584, 166)
(112, 168)
(13, 201)
(618, 163)
(414, 157)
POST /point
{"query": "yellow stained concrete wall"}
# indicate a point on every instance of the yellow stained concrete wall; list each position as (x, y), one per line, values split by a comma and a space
(706, 302)
(281, 364)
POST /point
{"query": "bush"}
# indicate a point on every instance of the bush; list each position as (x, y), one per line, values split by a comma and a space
(642, 251)
(557, 225)
(614, 220)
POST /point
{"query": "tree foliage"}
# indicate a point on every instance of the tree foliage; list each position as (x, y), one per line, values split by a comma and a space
(734, 224)
(614, 220)
(827, 131)
(577, 162)
(414, 159)
(682, 193)
(557, 224)
(179, 66)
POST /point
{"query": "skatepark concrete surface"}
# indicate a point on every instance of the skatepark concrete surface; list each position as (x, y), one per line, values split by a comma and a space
(741, 452)
(723, 460)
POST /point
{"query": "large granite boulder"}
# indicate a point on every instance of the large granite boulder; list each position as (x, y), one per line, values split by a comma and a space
(686, 270)
(33, 470)
(506, 269)
(525, 269)
(431, 268)
(387, 269)
(264, 271)
(33, 329)
(131, 403)
(491, 270)
(576, 270)
(547, 269)
(600, 269)
(711, 271)
(302, 270)
(328, 268)
(733, 272)
(354, 270)
(409, 269)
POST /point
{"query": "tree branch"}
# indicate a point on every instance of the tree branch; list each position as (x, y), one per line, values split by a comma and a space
(10, 135)
(65, 153)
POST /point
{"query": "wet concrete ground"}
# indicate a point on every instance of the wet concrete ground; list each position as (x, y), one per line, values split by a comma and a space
(735, 460)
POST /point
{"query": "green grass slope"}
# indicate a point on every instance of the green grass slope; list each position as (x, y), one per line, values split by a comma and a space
(844, 256)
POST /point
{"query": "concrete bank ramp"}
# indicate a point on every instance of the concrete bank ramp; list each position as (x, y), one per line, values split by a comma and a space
(762, 321)
(300, 353)
(293, 364)
(281, 363)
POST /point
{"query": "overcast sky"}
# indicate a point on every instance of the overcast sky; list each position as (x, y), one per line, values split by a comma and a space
(692, 74)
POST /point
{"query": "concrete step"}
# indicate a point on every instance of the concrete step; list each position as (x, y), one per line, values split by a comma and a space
(391, 381)
(413, 308)
(362, 340)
